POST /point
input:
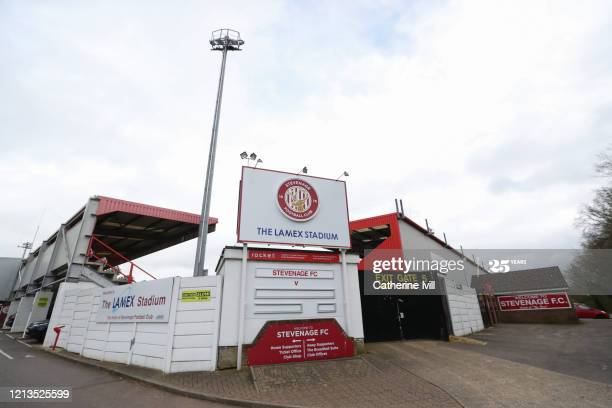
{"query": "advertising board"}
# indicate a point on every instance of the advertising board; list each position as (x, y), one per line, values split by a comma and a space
(536, 301)
(137, 302)
(285, 208)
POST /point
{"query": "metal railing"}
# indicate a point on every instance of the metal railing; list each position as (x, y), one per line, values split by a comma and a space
(104, 261)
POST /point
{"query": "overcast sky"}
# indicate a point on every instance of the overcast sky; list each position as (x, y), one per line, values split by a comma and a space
(486, 117)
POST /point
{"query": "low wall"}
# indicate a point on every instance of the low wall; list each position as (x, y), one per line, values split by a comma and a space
(464, 308)
(22, 315)
(187, 341)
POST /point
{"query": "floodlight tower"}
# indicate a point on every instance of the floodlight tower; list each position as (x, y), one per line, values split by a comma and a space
(223, 40)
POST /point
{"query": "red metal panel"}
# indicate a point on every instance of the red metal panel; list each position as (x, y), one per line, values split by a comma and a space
(390, 247)
(108, 205)
(292, 256)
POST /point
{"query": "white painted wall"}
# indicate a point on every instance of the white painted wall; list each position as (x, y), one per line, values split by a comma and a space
(40, 308)
(413, 239)
(63, 311)
(23, 313)
(276, 298)
(187, 342)
(464, 308)
(12, 310)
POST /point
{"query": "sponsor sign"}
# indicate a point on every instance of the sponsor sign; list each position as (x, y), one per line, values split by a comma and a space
(291, 256)
(198, 295)
(295, 341)
(137, 302)
(42, 302)
(294, 273)
(535, 301)
(284, 208)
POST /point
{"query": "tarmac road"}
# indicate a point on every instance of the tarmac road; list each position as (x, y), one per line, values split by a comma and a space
(583, 350)
(21, 365)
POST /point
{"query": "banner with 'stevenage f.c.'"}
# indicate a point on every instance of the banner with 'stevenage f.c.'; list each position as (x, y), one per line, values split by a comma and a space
(137, 302)
(285, 208)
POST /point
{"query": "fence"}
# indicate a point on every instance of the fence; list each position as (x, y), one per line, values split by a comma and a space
(185, 341)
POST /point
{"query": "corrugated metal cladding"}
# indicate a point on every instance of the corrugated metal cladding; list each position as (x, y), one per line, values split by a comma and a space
(108, 205)
(9, 267)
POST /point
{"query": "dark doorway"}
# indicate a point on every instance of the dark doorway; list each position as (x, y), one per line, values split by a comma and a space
(403, 317)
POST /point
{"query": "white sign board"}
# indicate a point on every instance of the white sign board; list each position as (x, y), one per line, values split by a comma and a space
(285, 208)
(294, 273)
(137, 302)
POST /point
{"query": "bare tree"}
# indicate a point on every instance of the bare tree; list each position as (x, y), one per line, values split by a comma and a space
(596, 218)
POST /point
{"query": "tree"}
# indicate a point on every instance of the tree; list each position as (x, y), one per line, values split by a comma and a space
(591, 272)
(596, 218)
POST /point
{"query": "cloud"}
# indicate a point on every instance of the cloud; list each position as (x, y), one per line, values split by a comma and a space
(484, 117)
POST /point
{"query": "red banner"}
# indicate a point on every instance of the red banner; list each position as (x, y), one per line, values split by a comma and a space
(292, 256)
(299, 340)
(535, 301)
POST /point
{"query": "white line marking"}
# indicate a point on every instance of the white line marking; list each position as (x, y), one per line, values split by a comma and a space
(6, 355)
(24, 343)
(9, 336)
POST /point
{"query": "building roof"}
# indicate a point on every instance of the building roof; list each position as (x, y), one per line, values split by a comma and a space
(371, 232)
(526, 280)
(136, 229)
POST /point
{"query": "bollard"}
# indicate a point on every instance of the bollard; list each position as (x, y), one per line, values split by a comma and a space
(57, 330)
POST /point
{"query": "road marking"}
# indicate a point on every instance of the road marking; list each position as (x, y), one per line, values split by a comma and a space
(9, 336)
(5, 355)
(24, 343)
(29, 356)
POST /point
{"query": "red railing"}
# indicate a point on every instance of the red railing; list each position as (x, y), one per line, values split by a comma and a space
(104, 261)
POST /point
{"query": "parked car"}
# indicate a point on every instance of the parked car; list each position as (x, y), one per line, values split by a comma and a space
(587, 312)
(37, 330)
(10, 320)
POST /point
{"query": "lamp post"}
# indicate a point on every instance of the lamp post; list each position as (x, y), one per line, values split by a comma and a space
(223, 40)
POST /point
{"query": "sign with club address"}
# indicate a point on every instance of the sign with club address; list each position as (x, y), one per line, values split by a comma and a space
(295, 209)
(300, 340)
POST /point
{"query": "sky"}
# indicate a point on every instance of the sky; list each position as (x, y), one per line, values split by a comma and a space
(485, 117)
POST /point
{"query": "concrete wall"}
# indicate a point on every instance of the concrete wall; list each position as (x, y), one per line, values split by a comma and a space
(275, 298)
(23, 314)
(187, 342)
(464, 308)
(63, 311)
(40, 307)
(421, 243)
(12, 310)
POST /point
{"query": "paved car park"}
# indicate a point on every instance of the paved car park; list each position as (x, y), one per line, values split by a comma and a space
(520, 366)
(583, 350)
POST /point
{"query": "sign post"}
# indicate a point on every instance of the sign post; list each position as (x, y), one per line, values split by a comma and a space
(345, 289)
(243, 269)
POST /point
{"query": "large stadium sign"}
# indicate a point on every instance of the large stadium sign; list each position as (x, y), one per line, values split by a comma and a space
(284, 208)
